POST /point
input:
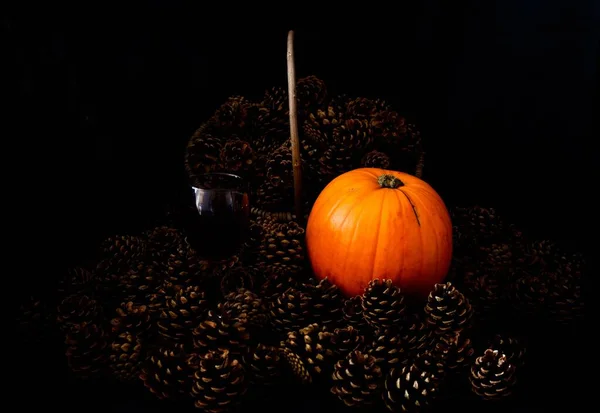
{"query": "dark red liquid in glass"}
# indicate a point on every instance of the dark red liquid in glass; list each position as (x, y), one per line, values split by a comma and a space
(217, 236)
(218, 221)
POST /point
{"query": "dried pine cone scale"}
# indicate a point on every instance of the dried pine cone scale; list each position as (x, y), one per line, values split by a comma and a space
(353, 313)
(289, 310)
(76, 310)
(203, 151)
(409, 389)
(126, 356)
(283, 246)
(123, 250)
(245, 305)
(454, 351)
(263, 365)
(325, 304)
(236, 155)
(182, 312)
(375, 159)
(132, 318)
(219, 333)
(512, 347)
(163, 241)
(347, 339)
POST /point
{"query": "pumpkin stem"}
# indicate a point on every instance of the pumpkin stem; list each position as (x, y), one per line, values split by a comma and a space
(389, 181)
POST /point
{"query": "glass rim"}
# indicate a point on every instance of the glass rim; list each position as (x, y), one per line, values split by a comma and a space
(238, 182)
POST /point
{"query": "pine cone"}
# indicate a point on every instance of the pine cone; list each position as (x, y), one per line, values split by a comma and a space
(310, 153)
(283, 246)
(290, 310)
(75, 310)
(375, 159)
(398, 343)
(542, 254)
(357, 380)
(157, 300)
(475, 227)
(218, 381)
(236, 155)
(182, 313)
(310, 91)
(353, 313)
(326, 303)
(416, 334)
(389, 349)
(203, 151)
(347, 339)
(232, 115)
(512, 348)
(274, 198)
(492, 376)
(297, 366)
(409, 389)
(126, 356)
(455, 351)
(166, 372)
(77, 280)
(277, 282)
(276, 99)
(218, 333)
(390, 129)
(349, 141)
(552, 289)
(132, 318)
(566, 298)
(447, 309)
(110, 287)
(245, 305)
(163, 241)
(500, 258)
(273, 123)
(319, 126)
(185, 268)
(429, 362)
(279, 168)
(140, 281)
(263, 366)
(124, 250)
(365, 108)
(531, 292)
(237, 278)
(315, 347)
(383, 304)
(86, 350)
(487, 283)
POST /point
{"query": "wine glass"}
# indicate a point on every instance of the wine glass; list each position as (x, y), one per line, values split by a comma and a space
(220, 225)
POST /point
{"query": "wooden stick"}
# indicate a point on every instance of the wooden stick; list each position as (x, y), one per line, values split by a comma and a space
(296, 161)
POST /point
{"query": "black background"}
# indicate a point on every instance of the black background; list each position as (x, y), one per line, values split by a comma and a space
(107, 97)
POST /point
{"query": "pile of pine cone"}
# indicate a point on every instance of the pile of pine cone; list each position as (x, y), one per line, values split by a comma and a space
(151, 312)
(251, 137)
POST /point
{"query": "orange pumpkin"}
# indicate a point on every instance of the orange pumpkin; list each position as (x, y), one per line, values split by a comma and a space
(372, 223)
